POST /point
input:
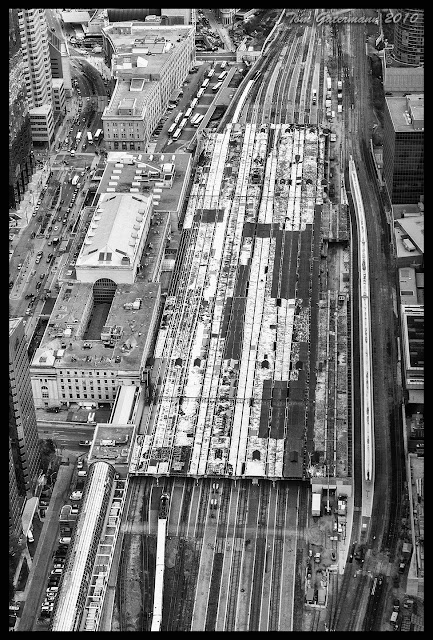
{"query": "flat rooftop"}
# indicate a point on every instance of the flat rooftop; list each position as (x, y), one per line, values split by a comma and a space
(129, 98)
(13, 324)
(164, 199)
(402, 251)
(141, 49)
(62, 345)
(399, 112)
(413, 227)
(112, 443)
(75, 17)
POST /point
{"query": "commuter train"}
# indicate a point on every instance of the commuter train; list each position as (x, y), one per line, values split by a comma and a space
(365, 326)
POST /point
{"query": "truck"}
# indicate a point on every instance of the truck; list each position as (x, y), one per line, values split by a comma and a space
(393, 618)
(310, 595)
(328, 83)
(321, 596)
(339, 108)
(314, 96)
(406, 550)
(339, 85)
(328, 104)
(75, 179)
(341, 505)
(316, 500)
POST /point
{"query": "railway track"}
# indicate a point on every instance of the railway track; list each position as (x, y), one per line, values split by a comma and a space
(260, 558)
(236, 559)
(277, 560)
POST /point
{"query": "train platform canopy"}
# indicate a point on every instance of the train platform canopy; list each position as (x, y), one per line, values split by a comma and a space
(75, 17)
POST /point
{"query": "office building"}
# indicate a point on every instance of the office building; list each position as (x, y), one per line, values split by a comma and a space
(23, 435)
(59, 96)
(37, 73)
(60, 62)
(21, 165)
(171, 16)
(412, 319)
(149, 63)
(226, 16)
(403, 148)
(409, 37)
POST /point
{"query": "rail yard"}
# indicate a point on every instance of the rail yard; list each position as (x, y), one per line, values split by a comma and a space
(252, 360)
(260, 389)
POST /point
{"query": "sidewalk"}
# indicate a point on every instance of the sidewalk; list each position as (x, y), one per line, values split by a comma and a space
(42, 561)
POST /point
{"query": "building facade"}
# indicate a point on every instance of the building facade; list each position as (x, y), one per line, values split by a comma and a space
(37, 73)
(21, 164)
(36, 56)
(409, 37)
(23, 434)
(60, 62)
(149, 63)
(403, 148)
(59, 96)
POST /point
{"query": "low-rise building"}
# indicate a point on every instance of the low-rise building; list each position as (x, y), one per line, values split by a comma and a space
(409, 241)
(59, 97)
(42, 124)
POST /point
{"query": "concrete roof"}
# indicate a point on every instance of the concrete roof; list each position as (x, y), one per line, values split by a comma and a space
(398, 110)
(68, 313)
(113, 454)
(137, 40)
(80, 17)
(115, 226)
(170, 199)
(122, 94)
(414, 228)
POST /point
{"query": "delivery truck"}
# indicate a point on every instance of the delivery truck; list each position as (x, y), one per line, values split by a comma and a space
(316, 500)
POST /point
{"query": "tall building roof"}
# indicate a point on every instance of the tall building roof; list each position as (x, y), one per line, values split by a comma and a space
(406, 112)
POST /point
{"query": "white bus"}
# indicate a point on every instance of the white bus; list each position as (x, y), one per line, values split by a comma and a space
(210, 73)
(194, 103)
(78, 136)
(188, 112)
(178, 117)
(177, 133)
(183, 123)
(98, 135)
(222, 75)
(195, 121)
(172, 128)
(216, 87)
(205, 83)
(89, 138)
(200, 93)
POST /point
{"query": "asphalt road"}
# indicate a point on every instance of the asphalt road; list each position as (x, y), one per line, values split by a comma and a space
(42, 564)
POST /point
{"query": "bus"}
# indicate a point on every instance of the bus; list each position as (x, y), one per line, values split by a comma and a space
(194, 103)
(78, 136)
(171, 128)
(183, 123)
(222, 75)
(223, 64)
(89, 138)
(195, 121)
(210, 73)
(200, 93)
(98, 135)
(177, 133)
(178, 117)
(188, 112)
(205, 83)
(216, 87)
